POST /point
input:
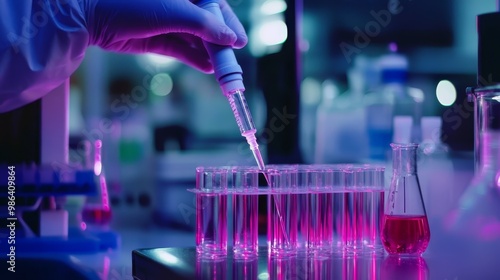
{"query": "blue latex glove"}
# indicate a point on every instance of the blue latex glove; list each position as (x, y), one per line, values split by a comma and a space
(43, 42)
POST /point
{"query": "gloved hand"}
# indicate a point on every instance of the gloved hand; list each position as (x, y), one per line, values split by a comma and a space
(170, 27)
(43, 42)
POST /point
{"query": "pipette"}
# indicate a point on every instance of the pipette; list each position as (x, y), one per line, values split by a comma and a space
(229, 75)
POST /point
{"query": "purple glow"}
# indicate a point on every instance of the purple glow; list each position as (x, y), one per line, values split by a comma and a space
(97, 168)
(104, 193)
(83, 225)
(97, 157)
(106, 267)
(393, 47)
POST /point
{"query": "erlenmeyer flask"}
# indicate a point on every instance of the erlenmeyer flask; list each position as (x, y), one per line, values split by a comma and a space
(478, 212)
(405, 226)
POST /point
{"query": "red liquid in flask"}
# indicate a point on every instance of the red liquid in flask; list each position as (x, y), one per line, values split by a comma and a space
(406, 234)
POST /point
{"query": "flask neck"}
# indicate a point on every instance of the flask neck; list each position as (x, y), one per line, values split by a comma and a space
(404, 160)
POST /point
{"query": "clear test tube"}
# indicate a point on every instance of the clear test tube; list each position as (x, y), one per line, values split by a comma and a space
(364, 206)
(353, 211)
(374, 205)
(326, 210)
(280, 219)
(321, 210)
(211, 212)
(300, 200)
(245, 182)
(338, 212)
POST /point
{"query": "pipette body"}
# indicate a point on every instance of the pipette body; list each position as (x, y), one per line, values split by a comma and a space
(245, 123)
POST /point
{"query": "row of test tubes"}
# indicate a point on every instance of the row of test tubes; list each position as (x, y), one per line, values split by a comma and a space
(316, 210)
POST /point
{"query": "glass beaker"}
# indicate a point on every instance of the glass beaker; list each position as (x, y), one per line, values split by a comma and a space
(478, 213)
(406, 229)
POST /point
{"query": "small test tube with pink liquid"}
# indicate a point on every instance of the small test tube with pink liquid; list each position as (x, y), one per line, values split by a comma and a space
(245, 212)
(374, 202)
(320, 211)
(300, 200)
(211, 212)
(280, 219)
(338, 212)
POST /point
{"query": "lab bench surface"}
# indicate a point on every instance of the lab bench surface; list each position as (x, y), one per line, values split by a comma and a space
(448, 257)
(454, 263)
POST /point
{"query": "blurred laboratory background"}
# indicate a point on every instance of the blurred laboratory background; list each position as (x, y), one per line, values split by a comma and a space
(320, 80)
(312, 72)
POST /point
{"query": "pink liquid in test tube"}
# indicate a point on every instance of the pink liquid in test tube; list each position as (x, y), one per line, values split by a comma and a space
(245, 213)
(338, 231)
(300, 211)
(211, 213)
(211, 225)
(281, 223)
(321, 212)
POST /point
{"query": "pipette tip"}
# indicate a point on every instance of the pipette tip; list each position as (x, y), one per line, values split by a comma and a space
(258, 158)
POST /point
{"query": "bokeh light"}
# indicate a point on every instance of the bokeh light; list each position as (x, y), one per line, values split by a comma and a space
(162, 84)
(273, 32)
(446, 93)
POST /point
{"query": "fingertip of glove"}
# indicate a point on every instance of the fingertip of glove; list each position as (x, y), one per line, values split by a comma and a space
(241, 42)
(206, 68)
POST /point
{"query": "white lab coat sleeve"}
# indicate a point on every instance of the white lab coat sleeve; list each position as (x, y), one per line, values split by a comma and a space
(42, 42)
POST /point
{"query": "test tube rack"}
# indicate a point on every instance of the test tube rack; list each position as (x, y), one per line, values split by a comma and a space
(311, 209)
(34, 182)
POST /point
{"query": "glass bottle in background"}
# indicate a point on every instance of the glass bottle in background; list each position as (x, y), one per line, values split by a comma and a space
(407, 100)
(340, 126)
(379, 112)
(478, 213)
(393, 98)
(324, 128)
(311, 92)
(405, 227)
